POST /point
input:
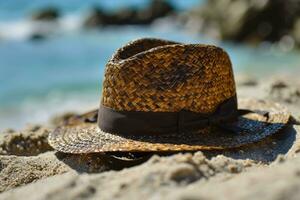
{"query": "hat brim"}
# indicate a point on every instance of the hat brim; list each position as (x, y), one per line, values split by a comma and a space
(83, 136)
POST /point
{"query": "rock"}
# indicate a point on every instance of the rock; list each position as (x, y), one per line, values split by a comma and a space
(156, 9)
(45, 24)
(160, 8)
(125, 16)
(37, 37)
(249, 21)
(96, 18)
(46, 14)
(129, 16)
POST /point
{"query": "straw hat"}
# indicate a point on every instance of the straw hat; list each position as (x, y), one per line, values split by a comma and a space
(160, 95)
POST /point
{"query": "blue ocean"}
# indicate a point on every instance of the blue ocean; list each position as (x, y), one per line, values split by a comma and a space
(41, 79)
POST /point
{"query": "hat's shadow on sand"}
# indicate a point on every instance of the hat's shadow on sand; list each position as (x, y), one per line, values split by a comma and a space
(265, 151)
(98, 162)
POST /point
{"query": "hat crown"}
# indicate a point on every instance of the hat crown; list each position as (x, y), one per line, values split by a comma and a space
(154, 75)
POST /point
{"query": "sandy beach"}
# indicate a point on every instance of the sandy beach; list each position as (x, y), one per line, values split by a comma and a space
(265, 170)
(52, 63)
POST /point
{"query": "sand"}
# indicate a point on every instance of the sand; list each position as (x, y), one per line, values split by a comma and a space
(30, 168)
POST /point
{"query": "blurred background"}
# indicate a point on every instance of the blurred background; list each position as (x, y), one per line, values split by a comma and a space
(53, 52)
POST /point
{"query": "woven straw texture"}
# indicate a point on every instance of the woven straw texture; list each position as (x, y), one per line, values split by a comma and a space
(157, 75)
(81, 135)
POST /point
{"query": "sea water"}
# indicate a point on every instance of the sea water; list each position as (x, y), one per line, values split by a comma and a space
(40, 79)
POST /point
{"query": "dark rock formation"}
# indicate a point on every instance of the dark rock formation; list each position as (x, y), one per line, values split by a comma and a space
(249, 20)
(37, 37)
(96, 18)
(46, 14)
(129, 16)
(156, 9)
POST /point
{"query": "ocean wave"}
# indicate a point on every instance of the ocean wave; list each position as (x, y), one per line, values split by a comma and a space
(40, 111)
(21, 29)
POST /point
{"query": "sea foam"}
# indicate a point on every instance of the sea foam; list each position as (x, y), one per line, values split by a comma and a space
(21, 29)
